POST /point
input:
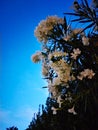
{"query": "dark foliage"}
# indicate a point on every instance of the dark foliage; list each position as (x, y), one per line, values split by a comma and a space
(12, 128)
(86, 14)
(84, 92)
(86, 119)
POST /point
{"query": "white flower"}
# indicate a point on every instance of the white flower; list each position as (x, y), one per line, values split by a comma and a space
(90, 74)
(56, 54)
(36, 57)
(73, 33)
(71, 110)
(59, 101)
(68, 98)
(67, 38)
(45, 69)
(54, 110)
(53, 90)
(86, 73)
(80, 77)
(57, 81)
(85, 41)
(75, 53)
(73, 56)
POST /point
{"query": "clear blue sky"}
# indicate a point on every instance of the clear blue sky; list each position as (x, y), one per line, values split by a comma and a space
(20, 79)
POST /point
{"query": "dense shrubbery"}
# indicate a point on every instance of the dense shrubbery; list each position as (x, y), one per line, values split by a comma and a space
(70, 65)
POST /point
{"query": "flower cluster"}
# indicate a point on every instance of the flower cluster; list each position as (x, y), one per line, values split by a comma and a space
(64, 59)
(62, 70)
(45, 69)
(53, 90)
(72, 33)
(36, 57)
(46, 27)
(56, 54)
(87, 73)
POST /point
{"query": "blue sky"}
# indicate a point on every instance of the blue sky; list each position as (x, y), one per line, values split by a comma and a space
(20, 79)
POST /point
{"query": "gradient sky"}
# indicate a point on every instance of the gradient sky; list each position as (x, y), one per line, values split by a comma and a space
(20, 79)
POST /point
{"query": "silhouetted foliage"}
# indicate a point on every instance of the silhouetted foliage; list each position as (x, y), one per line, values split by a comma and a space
(12, 128)
(70, 66)
(84, 120)
(86, 14)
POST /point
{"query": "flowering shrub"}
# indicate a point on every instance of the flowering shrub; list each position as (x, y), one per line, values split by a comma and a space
(69, 60)
(47, 27)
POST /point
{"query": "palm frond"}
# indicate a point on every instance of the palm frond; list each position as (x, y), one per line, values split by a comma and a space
(85, 14)
(86, 3)
(74, 14)
(81, 20)
(85, 21)
(65, 25)
(89, 26)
